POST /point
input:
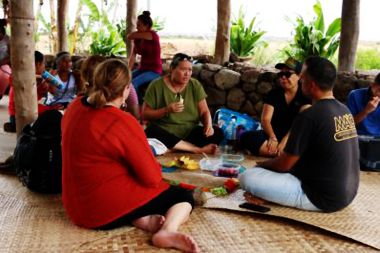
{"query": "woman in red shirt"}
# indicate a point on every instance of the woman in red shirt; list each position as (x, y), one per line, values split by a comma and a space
(146, 43)
(110, 177)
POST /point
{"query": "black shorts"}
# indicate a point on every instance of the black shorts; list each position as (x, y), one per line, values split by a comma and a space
(195, 137)
(159, 205)
(253, 140)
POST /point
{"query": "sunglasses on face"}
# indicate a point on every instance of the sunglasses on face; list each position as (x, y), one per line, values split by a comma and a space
(287, 74)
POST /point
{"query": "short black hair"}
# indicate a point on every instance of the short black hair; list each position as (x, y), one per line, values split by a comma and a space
(377, 79)
(38, 57)
(146, 19)
(321, 71)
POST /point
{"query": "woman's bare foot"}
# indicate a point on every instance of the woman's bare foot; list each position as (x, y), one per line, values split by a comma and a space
(150, 223)
(167, 239)
(209, 149)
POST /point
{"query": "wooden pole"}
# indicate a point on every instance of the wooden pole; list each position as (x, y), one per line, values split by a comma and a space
(131, 22)
(222, 42)
(61, 21)
(22, 62)
(349, 35)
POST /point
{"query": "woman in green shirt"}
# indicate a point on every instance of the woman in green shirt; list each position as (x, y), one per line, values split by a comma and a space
(174, 105)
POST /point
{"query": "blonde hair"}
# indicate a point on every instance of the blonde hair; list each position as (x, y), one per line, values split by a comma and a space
(109, 80)
(87, 71)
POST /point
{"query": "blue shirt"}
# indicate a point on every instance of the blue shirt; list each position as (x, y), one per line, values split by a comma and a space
(357, 101)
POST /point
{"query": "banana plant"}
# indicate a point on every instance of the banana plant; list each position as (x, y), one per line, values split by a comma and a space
(107, 43)
(244, 40)
(311, 39)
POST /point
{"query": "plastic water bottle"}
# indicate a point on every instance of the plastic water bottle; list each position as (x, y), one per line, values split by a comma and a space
(52, 79)
(231, 135)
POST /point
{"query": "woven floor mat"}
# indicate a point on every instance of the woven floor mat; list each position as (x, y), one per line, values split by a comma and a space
(223, 231)
(31, 222)
(360, 221)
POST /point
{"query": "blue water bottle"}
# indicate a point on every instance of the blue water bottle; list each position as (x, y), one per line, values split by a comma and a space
(52, 79)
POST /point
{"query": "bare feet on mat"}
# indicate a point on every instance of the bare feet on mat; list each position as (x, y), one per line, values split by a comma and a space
(150, 223)
(167, 239)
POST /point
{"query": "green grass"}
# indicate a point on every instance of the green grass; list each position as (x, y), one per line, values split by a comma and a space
(367, 59)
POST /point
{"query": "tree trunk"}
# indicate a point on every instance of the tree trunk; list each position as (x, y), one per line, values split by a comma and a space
(131, 22)
(222, 42)
(74, 32)
(349, 35)
(53, 28)
(22, 58)
(61, 21)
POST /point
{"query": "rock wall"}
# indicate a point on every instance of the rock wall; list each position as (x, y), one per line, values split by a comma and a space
(242, 87)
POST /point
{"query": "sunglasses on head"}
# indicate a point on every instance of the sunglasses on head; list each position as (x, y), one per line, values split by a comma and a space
(180, 58)
(287, 74)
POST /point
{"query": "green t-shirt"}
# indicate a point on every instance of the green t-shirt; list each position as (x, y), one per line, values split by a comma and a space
(180, 124)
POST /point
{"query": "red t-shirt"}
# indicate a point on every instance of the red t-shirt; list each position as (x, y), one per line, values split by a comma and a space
(150, 52)
(11, 102)
(108, 167)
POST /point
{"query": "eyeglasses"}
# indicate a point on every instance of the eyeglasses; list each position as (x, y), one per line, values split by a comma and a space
(287, 74)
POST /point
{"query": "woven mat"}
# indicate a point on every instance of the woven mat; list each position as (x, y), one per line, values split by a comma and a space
(222, 231)
(31, 222)
(360, 221)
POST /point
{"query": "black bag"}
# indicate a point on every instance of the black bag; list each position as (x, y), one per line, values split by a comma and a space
(38, 155)
(369, 153)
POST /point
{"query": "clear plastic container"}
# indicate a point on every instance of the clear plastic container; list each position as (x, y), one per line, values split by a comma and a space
(232, 158)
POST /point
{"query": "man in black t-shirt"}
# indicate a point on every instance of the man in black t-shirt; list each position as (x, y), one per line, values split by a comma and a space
(319, 168)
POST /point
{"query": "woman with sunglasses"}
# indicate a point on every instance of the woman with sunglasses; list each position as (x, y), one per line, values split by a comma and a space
(174, 105)
(281, 106)
(146, 43)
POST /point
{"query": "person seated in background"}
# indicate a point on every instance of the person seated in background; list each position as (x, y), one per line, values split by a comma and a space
(67, 92)
(110, 177)
(281, 106)
(4, 44)
(364, 105)
(146, 43)
(174, 105)
(319, 168)
(42, 88)
(87, 71)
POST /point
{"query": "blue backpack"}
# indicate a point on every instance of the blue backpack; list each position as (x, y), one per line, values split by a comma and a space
(224, 116)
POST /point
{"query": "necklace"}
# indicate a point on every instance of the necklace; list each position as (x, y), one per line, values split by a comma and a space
(177, 90)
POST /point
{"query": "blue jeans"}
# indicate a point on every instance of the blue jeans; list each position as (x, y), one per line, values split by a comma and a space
(281, 188)
(141, 77)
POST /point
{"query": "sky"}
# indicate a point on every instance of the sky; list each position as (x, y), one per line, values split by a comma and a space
(198, 17)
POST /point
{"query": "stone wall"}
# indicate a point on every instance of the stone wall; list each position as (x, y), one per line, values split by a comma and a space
(241, 87)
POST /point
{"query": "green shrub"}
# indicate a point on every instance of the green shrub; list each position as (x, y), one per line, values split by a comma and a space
(311, 39)
(244, 40)
(367, 59)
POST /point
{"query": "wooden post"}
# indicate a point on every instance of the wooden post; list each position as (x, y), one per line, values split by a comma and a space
(61, 21)
(53, 28)
(22, 60)
(131, 22)
(222, 42)
(349, 35)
